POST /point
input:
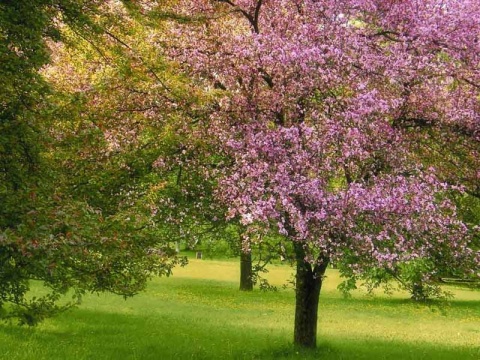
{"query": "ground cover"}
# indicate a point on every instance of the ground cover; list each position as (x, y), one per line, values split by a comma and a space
(200, 314)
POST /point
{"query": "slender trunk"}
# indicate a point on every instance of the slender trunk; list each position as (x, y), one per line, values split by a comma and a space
(308, 285)
(246, 274)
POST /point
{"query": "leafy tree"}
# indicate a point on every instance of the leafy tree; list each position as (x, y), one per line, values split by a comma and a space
(73, 213)
(317, 102)
(24, 175)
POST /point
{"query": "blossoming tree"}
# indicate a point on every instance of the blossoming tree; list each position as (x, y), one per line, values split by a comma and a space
(317, 104)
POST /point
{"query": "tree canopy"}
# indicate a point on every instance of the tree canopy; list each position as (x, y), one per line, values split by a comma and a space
(349, 129)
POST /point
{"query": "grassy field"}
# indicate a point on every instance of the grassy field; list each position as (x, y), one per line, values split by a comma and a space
(199, 314)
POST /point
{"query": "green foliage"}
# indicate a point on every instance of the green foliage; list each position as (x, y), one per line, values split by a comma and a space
(408, 276)
(412, 279)
(73, 214)
(469, 211)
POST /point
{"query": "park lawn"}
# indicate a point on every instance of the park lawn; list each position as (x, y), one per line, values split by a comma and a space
(200, 314)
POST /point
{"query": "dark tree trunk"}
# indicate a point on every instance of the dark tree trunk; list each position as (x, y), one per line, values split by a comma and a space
(308, 284)
(246, 274)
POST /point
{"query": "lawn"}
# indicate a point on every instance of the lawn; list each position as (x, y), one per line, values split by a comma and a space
(199, 314)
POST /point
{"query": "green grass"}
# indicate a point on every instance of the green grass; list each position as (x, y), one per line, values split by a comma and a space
(199, 314)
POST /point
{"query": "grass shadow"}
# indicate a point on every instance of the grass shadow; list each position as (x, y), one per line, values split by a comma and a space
(337, 349)
(86, 334)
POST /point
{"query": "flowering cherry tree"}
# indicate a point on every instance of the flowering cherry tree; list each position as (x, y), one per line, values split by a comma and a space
(317, 104)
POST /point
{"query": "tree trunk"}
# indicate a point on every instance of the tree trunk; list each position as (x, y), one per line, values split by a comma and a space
(308, 284)
(246, 274)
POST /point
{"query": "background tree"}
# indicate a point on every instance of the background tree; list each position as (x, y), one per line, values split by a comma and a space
(319, 99)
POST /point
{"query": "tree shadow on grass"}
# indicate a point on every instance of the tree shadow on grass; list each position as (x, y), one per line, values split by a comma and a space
(373, 350)
(85, 334)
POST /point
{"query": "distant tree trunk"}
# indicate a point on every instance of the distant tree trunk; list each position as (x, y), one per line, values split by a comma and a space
(308, 285)
(246, 273)
(418, 292)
